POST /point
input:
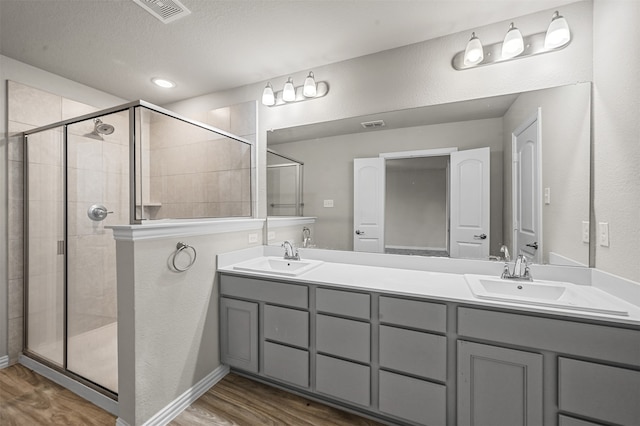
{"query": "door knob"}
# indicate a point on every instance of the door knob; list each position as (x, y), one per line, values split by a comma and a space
(97, 212)
(533, 245)
(359, 232)
(480, 237)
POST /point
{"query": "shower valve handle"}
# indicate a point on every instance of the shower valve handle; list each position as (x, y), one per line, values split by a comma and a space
(97, 212)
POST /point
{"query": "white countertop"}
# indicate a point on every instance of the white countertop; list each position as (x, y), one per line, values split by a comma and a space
(413, 281)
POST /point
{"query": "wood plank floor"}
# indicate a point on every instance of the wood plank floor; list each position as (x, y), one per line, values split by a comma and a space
(28, 399)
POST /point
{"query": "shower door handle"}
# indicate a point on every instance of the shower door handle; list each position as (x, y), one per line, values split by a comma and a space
(97, 212)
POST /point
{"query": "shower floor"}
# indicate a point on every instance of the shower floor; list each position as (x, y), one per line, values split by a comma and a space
(92, 355)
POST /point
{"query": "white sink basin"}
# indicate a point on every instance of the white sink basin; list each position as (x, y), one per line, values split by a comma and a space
(545, 293)
(278, 266)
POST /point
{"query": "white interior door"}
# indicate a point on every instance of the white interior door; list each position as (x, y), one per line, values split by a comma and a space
(526, 195)
(470, 204)
(368, 204)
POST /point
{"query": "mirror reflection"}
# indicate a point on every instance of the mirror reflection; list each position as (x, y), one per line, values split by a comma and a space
(433, 193)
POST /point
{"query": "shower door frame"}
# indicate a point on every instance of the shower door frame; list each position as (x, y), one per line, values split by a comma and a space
(131, 107)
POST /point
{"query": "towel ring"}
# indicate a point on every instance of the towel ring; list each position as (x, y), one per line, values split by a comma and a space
(186, 248)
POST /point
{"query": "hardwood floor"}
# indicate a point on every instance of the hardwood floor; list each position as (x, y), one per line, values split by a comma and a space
(236, 400)
(28, 399)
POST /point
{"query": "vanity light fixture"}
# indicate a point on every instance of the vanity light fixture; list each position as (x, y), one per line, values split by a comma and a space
(268, 98)
(289, 91)
(292, 94)
(474, 53)
(514, 46)
(558, 33)
(310, 90)
(164, 83)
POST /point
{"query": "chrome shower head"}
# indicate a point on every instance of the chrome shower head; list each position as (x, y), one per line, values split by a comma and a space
(102, 128)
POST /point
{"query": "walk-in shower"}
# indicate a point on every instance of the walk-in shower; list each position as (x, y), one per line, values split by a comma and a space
(284, 185)
(124, 165)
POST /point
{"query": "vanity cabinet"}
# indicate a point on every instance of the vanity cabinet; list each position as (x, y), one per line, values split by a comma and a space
(412, 361)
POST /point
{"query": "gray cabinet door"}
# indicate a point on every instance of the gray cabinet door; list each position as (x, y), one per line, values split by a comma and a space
(498, 386)
(239, 334)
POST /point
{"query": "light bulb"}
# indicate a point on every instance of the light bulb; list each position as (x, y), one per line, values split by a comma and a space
(474, 53)
(289, 91)
(558, 33)
(268, 97)
(310, 89)
(164, 83)
(513, 44)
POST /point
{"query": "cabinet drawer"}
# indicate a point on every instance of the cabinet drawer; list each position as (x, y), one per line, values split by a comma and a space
(599, 391)
(344, 338)
(343, 379)
(265, 291)
(287, 364)
(286, 325)
(413, 352)
(568, 337)
(413, 313)
(357, 305)
(412, 399)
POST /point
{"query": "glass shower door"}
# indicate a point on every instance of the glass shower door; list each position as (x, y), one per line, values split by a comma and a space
(97, 195)
(45, 228)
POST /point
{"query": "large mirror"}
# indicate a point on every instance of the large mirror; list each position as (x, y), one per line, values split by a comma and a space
(537, 176)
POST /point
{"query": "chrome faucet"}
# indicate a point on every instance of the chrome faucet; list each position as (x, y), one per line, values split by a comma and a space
(520, 270)
(505, 253)
(289, 253)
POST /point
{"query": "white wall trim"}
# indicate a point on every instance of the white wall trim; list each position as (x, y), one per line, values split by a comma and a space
(284, 221)
(4, 362)
(420, 153)
(156, 229)
(179, 404)
(391, 246)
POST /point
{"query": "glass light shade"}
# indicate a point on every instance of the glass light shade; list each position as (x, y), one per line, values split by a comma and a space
(310, 90)
(513, 45)
(268, 98)
(289, 91)
(473, 54)
(558, 33)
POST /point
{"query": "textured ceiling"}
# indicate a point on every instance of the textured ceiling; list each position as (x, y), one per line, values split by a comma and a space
(117, 47)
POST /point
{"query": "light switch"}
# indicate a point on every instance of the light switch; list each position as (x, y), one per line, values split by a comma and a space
(603, 234)
(547, 195)
(585, 231)
(328, 203)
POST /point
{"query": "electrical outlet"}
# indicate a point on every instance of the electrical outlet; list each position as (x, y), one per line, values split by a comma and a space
(585, 231)
(328, 203)
(253, 238)
(271, 235)
(603, 234)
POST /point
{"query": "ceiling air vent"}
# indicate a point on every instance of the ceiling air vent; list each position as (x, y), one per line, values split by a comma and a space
(372, 124)
(165, 10)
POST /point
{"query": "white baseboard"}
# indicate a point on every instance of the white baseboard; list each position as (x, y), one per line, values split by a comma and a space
(4, 361)
(179, 404)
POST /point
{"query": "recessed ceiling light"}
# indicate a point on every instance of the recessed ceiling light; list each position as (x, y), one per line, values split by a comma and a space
(167, 84)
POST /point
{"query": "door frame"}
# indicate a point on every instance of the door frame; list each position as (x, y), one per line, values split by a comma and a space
(436, 152)
(536, 117)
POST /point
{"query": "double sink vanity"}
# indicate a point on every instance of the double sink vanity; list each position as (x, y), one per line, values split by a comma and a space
(434, 341)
